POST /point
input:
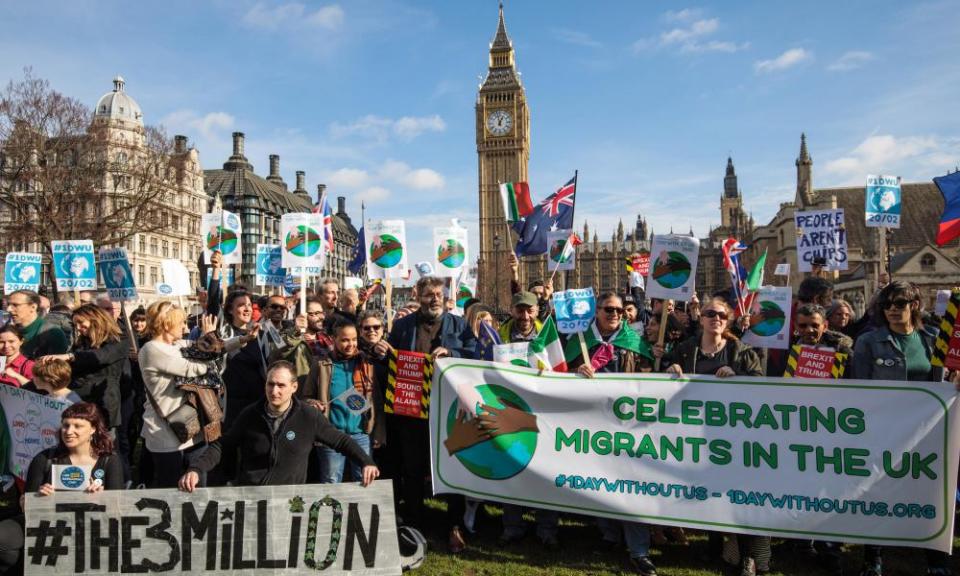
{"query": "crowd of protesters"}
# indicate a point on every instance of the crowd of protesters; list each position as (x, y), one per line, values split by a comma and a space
(258, 369)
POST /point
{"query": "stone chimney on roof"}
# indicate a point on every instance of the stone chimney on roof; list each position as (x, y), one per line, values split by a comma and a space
(301, 183)
(275, 172)
(179, 144)
(237, 161)
(321, 188)
(341, 205)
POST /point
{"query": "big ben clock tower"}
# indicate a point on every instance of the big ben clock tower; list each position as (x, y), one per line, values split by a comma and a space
(503, 150)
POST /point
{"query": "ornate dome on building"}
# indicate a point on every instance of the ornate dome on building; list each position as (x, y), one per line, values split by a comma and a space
(118, 105)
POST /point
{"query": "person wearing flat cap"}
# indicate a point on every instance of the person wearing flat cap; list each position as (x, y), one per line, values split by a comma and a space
(524, 326)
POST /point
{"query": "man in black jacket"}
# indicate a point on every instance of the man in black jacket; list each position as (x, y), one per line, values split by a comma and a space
(276, 439)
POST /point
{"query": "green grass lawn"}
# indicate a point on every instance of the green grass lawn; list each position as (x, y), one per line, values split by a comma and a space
(578, 554)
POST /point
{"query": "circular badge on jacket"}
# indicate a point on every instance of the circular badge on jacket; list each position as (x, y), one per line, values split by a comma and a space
(291, 435)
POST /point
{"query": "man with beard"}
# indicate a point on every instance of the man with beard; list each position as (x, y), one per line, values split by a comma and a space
(524, 326)
(430, 330)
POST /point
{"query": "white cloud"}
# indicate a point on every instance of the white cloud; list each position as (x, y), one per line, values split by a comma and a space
(424, 179)
(788, 59)
(380, 129)
(715, 46)
(684, 15)
(293, 14)
(576, 37)
(908, 156)
(409, 127)
(692, 37)
(373, 194)
(695, 30)
(348, 178)
(191, 123)
(851, 61)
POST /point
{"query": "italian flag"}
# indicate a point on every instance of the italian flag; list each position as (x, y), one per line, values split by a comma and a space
(516, 200)
(545, 351)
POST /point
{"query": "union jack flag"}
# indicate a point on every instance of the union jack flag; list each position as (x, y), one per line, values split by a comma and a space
(563, 197)
(323, 207)
(732, 248)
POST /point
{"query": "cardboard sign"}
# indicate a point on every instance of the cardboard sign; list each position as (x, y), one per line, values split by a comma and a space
(33, 423)
(574, 309)
(946, 349)
(352, 283)
(813, 362)
(466, 289)
(943, 296)
(70, 477)
(176, 279)
(21, 271)
(270, 270)
(770, 318)
(515, 353)
(408, 384)
(883, 201)
(117, 276)
(227, 277)
(387, 249)
(557, 257)
(221, 231)
(74, 265)
(302, 237)
(673, 272)
(450, 251)
(641, 263)
(821, 237)
(783, 269)
(290, 530)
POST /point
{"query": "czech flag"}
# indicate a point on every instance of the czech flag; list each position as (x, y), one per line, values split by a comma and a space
(949, 186)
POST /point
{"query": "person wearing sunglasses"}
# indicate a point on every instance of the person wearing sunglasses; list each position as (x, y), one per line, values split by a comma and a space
(898, 349)
(717, 352)
(373, 345)
(614, 347)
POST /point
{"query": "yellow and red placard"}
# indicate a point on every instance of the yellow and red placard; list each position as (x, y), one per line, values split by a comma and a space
(408, 384)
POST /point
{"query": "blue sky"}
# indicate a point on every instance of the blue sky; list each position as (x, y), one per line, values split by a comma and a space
(645, 99)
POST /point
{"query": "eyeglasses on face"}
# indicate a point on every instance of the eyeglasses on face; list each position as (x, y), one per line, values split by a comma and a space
(899, 303)
(276, 306)
(613, 310)
(371, 327)
(715, 314)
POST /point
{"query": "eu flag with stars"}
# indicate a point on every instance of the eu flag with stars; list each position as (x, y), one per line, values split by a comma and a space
(359, 254)
(554, 213)
(487, 339)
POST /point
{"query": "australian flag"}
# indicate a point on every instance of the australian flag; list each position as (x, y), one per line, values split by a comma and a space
(553, 213)
(359, 255)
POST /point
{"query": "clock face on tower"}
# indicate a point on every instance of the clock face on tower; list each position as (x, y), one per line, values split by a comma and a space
(499, 122)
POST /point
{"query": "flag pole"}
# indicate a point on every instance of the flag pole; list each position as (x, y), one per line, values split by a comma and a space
(573, 222)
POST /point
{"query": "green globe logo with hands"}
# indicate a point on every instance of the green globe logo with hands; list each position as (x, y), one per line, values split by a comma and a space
(500, 441)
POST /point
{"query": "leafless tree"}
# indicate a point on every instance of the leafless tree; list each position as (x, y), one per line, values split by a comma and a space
(65, 176)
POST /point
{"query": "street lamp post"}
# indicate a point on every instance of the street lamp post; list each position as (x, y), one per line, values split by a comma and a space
(496, 271)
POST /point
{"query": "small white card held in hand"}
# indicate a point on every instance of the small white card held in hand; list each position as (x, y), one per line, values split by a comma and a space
(783, 269)
(71, 477)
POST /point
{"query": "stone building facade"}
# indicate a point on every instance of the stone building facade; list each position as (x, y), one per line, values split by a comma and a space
(712, 275)
(118, 134)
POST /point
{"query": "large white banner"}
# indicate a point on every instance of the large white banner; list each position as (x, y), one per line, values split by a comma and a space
(274, 530)
(855, 461)
(33, 425)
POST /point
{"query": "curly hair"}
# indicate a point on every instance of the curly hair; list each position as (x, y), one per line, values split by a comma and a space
(103, 328)
(100, 443)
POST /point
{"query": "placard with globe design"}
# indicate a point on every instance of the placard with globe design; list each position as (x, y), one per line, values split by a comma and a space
(386, 251)
(450, 251)
(74, 265)
(556, 242)
(503, 456)
(21, 271)
(270, 271)
(222, 232)
(673, 269)
(769, 318)
(466, 289)
(882, 197)
(116, 274)
(301, 234)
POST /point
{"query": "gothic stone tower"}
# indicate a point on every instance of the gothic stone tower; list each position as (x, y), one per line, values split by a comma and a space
(503, 150)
